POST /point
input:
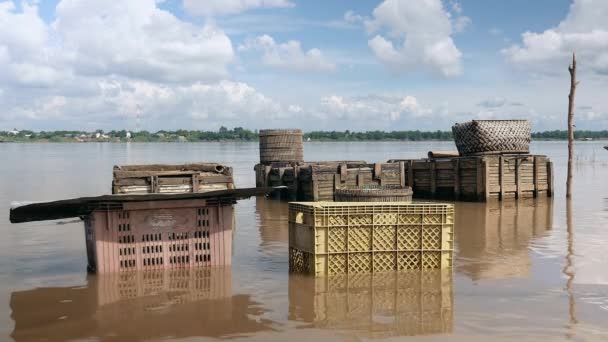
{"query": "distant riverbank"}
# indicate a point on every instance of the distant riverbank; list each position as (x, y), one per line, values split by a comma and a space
(244, 135)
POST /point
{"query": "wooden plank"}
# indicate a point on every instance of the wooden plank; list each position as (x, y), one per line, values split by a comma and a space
(410, 174)
(501, 177)
(433, 176)
(142, 174)
(456, 162)
(486, 179)
(517, 180)
(549, 178)
(343, 172)
(377, 171)
(535, 176)
(195, 183)
(337, 181)
(216, 179)
(315, 190)
(402, 174)
(480, 192)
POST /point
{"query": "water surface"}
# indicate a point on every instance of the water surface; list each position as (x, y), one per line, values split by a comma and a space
(531, 269)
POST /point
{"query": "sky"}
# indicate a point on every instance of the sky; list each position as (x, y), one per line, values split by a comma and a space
(313, 64)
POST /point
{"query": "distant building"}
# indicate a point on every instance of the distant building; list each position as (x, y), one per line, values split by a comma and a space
(128, 135)
(97, 135)
(14, 131)
(181, 138)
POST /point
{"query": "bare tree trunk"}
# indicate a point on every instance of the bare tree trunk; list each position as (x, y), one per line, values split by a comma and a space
(573, 84)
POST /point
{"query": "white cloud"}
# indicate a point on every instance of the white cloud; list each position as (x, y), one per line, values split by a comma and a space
(131, 53)
(584, 31)
(419, 33)
(220, 7)
(352, 18)
(373, 109)
(289, 55)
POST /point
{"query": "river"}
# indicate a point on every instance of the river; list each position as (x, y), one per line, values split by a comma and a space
(526, 270)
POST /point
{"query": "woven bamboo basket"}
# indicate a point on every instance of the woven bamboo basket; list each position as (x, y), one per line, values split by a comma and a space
(492, 137)
(374, 193)
(281, 145)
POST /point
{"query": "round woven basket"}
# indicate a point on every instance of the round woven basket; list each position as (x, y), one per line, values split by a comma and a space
(374, 193)
(281, 145)
(492, 137)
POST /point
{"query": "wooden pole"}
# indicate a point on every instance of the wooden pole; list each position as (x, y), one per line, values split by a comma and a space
(573, 84)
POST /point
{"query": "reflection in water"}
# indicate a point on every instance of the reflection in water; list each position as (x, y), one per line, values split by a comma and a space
(138, 306)
(569, 266)
(379, 305)
(493, 238)
(273, 220)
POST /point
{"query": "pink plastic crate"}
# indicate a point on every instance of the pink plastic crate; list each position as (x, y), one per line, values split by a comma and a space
(152, 235)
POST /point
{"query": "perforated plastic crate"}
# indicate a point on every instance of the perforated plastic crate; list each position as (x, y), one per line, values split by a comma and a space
(346, 237)
(152, 235)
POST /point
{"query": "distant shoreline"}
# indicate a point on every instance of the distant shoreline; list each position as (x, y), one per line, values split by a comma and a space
(46, 141)
(239, 134)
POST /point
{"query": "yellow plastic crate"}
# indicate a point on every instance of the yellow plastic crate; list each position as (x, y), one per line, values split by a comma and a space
(328, 238)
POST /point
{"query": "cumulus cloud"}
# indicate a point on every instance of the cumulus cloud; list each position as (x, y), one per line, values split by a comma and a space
(220, 7)
(372, 108)
(584, 31)
(417, 33)
(96, 62)
(289, 55)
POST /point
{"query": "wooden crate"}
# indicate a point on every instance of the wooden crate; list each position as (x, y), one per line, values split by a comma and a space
(480, 178)
(198, 177)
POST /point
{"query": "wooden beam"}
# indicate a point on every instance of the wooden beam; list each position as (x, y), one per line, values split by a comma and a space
(433, 176)
(517, 178)
(480, 173)
(402, 174)
(410, 174)
(195, 182)
(501, 177)
(456, 162)
(550, 178)
(486, 179)
(535, 175)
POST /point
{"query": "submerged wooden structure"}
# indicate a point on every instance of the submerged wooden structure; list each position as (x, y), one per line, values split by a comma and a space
(444, 176)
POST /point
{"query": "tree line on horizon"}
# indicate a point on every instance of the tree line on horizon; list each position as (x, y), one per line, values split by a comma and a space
(242, 134)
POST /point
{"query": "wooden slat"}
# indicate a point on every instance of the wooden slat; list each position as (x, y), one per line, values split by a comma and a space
(535, 176)
(433, 177)
(517, 180)
(142, 174)
(410, 174)
(479, 180)
(486, 179)
(456, 162)
(501, 175)
(402, 173)
(550, 179)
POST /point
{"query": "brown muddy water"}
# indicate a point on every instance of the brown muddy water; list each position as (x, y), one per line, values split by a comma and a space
(525, 270)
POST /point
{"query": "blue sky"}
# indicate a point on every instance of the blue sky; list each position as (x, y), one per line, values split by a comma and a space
(358, 65)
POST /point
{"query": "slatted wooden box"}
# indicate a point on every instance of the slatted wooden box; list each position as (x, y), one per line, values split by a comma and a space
(183, 178)
(153, 235)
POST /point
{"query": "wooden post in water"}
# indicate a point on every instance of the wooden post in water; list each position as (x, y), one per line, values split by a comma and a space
(573, 84)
